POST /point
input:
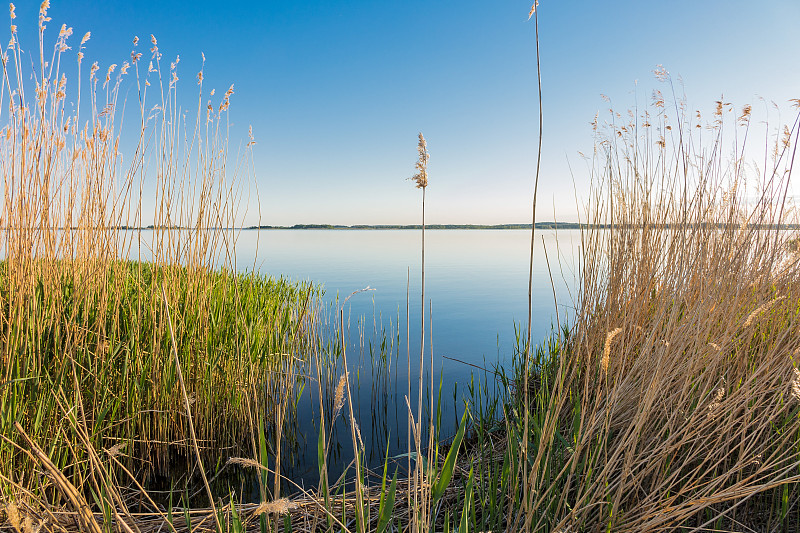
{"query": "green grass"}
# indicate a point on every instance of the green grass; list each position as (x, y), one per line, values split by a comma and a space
(102, 352)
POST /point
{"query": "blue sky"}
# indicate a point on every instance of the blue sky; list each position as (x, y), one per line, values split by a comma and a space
(337, 91)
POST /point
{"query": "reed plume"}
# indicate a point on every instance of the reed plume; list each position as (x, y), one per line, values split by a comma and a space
(760, 310)
(338, 396)
(607, 348)
(421, 176)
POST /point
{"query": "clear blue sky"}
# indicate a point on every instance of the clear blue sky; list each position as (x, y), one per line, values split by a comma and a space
(337, 91)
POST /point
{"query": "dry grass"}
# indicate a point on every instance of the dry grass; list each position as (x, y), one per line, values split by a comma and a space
(672, 402)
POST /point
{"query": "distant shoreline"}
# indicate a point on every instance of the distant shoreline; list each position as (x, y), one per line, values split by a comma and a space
(539, 225)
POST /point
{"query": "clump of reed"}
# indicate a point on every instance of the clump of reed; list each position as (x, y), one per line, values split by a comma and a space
(671, 401)
(90, 300)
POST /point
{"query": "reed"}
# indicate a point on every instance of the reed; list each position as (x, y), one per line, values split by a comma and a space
(87, 356)
(419, 509)
(669, 404)
(528, 344)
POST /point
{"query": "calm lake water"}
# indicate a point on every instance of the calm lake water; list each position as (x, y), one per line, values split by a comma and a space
(476, 280)
(476, 294)
(476, 291)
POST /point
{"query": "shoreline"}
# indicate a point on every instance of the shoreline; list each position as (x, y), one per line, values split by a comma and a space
(539, 226)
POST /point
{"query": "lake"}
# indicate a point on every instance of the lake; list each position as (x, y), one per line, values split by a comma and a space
(475, 299)
(476, 292)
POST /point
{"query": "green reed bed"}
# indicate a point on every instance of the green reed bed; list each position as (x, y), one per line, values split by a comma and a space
(103, 354)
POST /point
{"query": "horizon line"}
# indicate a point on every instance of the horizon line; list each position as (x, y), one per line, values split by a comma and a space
(511, 226)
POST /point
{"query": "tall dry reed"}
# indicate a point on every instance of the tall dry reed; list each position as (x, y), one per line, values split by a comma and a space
(671, 402)
(419, 508)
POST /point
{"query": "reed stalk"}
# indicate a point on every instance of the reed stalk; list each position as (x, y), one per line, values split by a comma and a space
(526, 424)
(420, 179)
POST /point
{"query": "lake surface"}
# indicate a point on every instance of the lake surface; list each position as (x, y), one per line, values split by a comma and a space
(476, 280)
(476, 294)
(476, 291)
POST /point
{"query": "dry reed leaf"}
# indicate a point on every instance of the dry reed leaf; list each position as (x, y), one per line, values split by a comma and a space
(607, 348)
(759, 310)
(281, 507)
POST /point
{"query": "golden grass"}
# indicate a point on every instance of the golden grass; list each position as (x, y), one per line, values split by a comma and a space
(691, 420)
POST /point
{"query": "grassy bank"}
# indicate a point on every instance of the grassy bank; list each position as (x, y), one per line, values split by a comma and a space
(101, 355)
